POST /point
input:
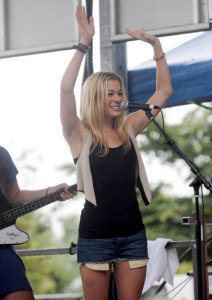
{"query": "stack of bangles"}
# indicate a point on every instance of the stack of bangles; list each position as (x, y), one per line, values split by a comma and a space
(81, 47)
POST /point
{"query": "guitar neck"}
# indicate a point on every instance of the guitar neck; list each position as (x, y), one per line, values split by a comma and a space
(16, 212)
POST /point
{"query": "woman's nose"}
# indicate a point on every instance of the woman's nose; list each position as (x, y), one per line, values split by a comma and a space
(118, 97)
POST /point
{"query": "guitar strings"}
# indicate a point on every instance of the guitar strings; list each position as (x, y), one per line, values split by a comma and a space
(15, 212)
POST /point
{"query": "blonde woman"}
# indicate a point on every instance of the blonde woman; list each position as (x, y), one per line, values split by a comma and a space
(112, 236)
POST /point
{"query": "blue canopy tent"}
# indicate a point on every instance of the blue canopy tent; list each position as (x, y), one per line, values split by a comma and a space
(190, 66)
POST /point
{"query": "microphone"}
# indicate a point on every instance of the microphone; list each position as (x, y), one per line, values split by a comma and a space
(125, 105)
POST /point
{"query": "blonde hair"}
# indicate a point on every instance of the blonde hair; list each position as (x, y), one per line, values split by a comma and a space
(94, 95)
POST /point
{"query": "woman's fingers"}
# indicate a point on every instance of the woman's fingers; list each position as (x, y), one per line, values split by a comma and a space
(141, 35)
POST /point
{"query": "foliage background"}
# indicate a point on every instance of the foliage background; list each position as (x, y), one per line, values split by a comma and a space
(163, 218)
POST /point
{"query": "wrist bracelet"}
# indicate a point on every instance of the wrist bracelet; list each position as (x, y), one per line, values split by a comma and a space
(84, 46)
(81, 47)
(159, 58)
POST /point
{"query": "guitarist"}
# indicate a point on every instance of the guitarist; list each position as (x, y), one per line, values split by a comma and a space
(14, 284)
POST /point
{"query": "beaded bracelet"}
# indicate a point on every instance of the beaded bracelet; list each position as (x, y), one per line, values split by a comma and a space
(84, 46)
(81, 47)
(159, 58)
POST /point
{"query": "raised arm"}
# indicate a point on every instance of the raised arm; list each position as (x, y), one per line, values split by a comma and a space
(73, 129)
(138, 120)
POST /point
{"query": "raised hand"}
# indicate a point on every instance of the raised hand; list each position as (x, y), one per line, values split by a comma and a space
(142, 35)
(86, 27)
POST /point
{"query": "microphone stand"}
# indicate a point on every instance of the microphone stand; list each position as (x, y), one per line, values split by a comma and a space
(198, 181)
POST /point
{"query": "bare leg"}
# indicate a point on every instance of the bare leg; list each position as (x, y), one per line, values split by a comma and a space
(95, 283)
(129, 282)
(21, 295)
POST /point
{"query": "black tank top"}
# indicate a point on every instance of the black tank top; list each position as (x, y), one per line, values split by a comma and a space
(117, 212)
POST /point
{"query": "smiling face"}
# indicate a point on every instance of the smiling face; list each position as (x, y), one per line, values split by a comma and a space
(102, 95)
(114, 99)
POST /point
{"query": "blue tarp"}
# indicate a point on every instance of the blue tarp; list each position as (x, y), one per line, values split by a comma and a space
(190, 66)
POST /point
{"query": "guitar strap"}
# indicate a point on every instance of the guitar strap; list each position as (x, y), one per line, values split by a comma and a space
(3, 189)
(4, 203)
(3, 198)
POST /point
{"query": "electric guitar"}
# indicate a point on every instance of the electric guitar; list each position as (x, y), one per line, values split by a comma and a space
(9, 233)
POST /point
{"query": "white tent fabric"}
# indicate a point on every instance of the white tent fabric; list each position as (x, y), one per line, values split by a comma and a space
(190, 66)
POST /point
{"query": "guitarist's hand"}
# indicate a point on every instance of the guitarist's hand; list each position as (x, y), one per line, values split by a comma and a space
(65, 194)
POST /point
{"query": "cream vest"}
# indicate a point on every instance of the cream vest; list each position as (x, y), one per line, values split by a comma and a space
(84, 177)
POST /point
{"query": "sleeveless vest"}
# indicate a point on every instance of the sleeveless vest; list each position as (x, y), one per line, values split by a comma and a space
(84, 177)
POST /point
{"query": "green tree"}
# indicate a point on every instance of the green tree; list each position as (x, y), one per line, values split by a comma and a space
(58, 274)
(54, 273)
(193, 137)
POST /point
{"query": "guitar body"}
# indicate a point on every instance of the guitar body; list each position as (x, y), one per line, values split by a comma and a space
(13, 236)
(9, 233)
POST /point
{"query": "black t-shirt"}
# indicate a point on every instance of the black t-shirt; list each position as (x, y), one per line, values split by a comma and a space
(117, 212)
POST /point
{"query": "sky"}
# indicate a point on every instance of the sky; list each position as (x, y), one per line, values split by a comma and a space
(29, 102)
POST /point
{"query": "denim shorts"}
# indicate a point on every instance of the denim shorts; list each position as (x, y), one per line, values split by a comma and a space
(106, 250)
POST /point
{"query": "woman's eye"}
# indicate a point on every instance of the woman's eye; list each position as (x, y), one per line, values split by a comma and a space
(110, 94)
